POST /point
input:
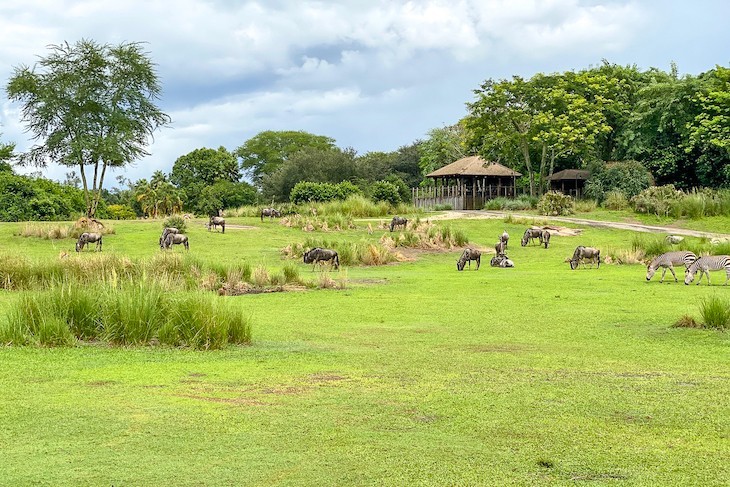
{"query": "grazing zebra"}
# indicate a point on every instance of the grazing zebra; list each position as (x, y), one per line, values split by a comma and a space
(583, 253)
(87, 238)
(545, 238)
(165, 232)
(668, 261)
(270, 212)
(215, 221)
(319, 255)
(500, 247)
(398, 222)
(501, 261)
(504, 238)
(466, 257)
(707, 264)
(531, 233)
(176, 239)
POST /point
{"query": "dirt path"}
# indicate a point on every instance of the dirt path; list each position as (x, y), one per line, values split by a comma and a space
(636, 227)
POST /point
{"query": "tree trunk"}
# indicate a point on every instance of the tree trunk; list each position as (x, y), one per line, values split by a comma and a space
(86, 189)
(526, 154)
(543, 161)
(97, 196)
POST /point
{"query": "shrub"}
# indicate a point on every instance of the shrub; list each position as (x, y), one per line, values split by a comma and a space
(615, 200)
(630, 177)
(585, 206)
(656, 199)
(175, 221)
(715, 312)
(554, 203)
(444, 208)
(120, 212)
(385, 191)
(652, 246)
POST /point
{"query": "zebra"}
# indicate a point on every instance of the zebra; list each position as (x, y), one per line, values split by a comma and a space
(270, 212)
(215, 221)
(706, 264)
(667, 261)
(165, 232)
(582, 253)
(398, 222)
(545, 238)
(318, 255)
(531, 233)
(176, 239)
(504, 238)
(87, 238)
(466, 257)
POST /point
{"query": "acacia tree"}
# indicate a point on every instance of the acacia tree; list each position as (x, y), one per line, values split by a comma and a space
(89, 105)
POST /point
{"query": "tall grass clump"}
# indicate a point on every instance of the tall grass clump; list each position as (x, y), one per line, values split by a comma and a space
(615, 200)
(44, 231)
(651, 246)
(585, 206)
(721, 248)
(715, 312)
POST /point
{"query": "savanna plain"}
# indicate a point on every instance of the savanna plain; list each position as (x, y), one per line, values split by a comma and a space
(409, 373)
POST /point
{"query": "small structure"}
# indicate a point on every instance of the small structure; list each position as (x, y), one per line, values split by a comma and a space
(467, 184)
(569, 181)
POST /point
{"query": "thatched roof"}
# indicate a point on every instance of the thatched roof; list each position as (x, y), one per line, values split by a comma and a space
(570, 174)
(473, 166)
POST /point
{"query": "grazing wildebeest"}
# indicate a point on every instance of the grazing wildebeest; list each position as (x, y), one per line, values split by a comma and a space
(176, 239)
(165, 232)
(319, 255)
(215, 221)
(500, 247)
(504, 238)
(585, 253)
(467, 256)
(668, 261)
(531, 233)
(501, 261)
(87, 238)
(398, 222)
(545, 238)
(270, 212)
(706, 264)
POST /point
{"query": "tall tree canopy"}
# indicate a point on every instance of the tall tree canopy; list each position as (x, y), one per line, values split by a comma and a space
(201, 168)
(89, 105)
(262, 154)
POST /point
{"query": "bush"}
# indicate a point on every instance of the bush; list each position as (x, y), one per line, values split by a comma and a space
(715, 312)
(615, 200)
(554, 203)
(120, 212)
(657, 200)
(629, 177)
(175, 221)
(585, 206)
(385, 191)
(309, 192)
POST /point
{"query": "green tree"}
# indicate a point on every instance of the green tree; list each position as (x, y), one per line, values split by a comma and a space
(158, 196)
(91, 106)
(203, 167)
(710, 130)
(262, 154)
(443, 146)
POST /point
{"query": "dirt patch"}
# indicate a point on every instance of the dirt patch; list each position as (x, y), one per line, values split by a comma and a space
(325, 378)
(197, 374)
(102, 383)
(504, 348)
(284, 391)
(235, 401)
(562, 231)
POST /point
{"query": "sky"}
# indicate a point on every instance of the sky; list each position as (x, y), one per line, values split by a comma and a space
(373, 75)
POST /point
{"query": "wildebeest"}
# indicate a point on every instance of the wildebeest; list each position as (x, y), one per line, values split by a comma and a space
(165, 232)
(270, 212)
(500, 247)
(582, 253)
(215, 221)
(545, 238)
(176, 239)
(466, 257)
(319, 255)
(530, 234)
(398, 221)
(504, 238)
(706, 264)
(668, 261)
(501, 261)
(87, 238)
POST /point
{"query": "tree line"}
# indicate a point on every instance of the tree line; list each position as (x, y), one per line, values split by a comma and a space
(92, 107)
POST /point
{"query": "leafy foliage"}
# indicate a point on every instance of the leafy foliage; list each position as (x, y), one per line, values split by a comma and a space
(629, 177)
(554, 203)
(120, 212)
(657, 199)
(309, 192)
(385, 191)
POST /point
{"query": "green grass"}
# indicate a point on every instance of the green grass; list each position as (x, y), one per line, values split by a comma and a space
(415, 375)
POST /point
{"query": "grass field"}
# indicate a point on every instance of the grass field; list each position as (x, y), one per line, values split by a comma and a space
(416, 374)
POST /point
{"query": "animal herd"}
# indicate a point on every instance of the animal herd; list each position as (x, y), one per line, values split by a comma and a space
(582, 255)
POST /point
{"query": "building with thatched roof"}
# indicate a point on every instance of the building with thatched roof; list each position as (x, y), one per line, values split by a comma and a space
(467, 184)
(569, 181)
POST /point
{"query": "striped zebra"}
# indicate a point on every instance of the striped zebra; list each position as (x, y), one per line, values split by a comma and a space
(706, 264)
(668, 261)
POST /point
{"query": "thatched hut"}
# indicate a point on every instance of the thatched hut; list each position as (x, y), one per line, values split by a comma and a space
(569, 181)
(467, 184)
